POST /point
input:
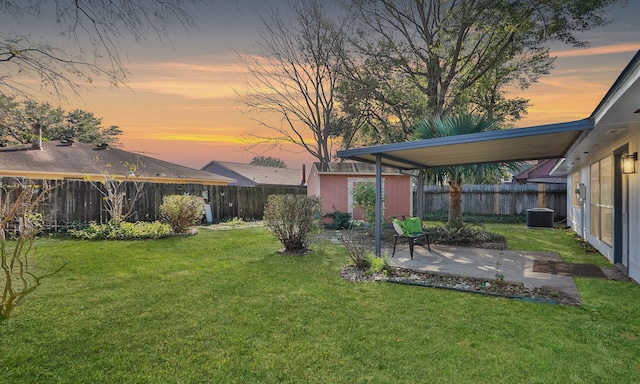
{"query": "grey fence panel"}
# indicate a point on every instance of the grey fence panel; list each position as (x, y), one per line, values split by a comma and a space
(504, 199)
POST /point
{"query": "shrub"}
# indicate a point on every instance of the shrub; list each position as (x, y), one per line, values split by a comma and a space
(182, 212)
(360, 255)
(122, 231)
(341, 220)
(442, 215)
(377, 264)
(466, 236)
(293, 219)
(356, 250)
(364, 197)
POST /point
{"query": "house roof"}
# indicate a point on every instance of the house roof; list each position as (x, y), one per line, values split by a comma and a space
(63, 160)
(352, 167)
(540, 173)
(262, 175)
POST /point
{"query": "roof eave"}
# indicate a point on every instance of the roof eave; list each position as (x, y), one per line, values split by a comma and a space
(614, 92)
(99, 177)
(369, 154)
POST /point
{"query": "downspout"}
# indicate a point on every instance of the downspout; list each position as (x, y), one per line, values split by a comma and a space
(378, 205)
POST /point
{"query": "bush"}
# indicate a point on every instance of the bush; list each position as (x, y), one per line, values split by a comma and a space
(362, 258)
(182, 212)
(341, 220)
(364, 197)
(293, 219)
(466, 236)
(442, 215)
(357, 251)
(377, 264)
(122, 231)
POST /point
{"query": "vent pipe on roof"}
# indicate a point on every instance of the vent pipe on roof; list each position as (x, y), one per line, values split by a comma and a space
(304, 176)
(36, 142)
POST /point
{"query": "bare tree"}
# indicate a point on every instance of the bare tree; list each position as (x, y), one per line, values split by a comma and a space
(119, 203)
(293, 74)
(115, 198)
(19, 224)
(93, 27)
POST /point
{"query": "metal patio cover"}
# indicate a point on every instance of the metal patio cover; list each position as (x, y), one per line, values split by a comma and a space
(533, 143)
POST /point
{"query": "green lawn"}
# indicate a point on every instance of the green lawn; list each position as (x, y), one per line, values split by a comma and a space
(562, 241)
(224, 307)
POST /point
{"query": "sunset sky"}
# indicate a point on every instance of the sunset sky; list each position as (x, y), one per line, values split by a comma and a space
(181, 106)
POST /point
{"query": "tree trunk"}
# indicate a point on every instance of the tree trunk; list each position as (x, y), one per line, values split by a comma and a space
(455, 205)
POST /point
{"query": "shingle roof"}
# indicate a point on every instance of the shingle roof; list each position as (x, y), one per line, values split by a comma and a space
(261, 175)
(353, 167)
(540, 173)
(60, 160)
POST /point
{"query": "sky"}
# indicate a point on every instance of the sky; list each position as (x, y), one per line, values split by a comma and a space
(181, 106)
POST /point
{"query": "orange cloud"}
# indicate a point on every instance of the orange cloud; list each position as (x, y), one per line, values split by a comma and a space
(216, 68)
(192, 80)
(217, 138)
(196, 89)
(603, 50)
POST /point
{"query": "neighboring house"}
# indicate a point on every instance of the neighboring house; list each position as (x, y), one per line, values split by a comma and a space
(335, 182)
(603, 198)
(60, 160)
(249, 175)
(540, 173)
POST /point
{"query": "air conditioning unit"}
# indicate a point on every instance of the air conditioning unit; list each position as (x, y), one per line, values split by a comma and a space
(540, 218)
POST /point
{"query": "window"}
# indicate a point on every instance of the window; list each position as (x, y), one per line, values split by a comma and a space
(602, 200)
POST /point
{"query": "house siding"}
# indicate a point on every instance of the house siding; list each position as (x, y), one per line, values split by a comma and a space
(634, 217)
(333, 190)
(579, 214)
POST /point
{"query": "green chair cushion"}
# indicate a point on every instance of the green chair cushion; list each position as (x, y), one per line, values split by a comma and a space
(403, 227)
(413, 225)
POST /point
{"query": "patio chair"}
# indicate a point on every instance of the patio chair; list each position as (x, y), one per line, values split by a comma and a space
(409, 228)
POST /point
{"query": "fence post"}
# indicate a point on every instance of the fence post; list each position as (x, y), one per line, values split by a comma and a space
(542, 195)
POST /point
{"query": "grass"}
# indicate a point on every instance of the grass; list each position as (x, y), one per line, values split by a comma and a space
(225, 307)
(562, 241)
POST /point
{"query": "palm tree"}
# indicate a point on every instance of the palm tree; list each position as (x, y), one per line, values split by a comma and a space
(454, 176)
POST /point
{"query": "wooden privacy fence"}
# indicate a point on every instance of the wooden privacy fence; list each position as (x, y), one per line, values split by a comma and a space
(503, 199)
(78, 201)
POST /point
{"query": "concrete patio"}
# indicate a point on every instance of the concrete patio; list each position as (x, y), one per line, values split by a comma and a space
(515, 266)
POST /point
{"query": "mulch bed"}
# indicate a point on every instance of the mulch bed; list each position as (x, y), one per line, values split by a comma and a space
(461, 283)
